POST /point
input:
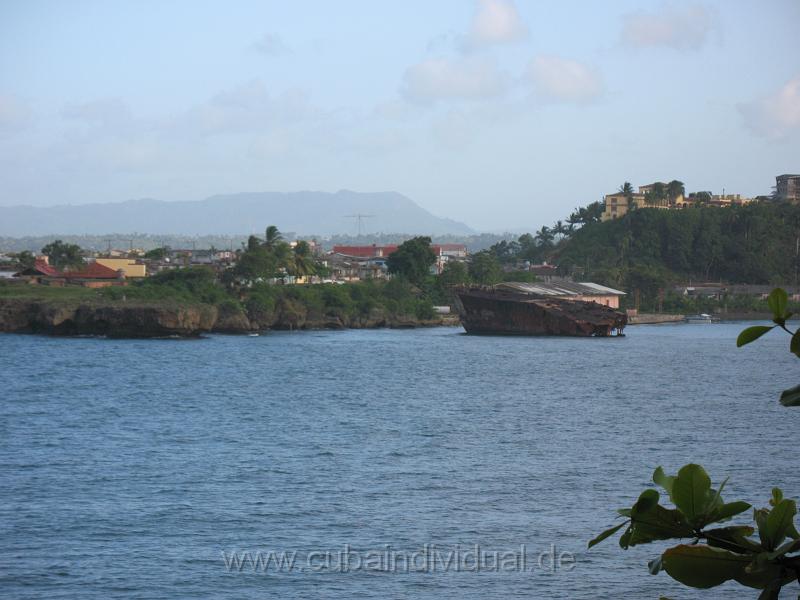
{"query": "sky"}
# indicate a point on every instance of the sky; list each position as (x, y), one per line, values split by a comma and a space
(502, 114)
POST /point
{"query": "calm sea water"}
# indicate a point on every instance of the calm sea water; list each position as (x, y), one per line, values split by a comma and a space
(127, 468)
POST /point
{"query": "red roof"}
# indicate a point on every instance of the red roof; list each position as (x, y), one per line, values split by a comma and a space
(45, 269)
(91, 271)
(365, 251)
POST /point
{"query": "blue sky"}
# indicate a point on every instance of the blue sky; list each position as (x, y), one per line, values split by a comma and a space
(502, 114)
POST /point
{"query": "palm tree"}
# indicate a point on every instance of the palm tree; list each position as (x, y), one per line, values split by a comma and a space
(659, 193)
(675, 188)
(544, 236)
(627, 189)
(559, 229)
(273, 236)
(302, 262)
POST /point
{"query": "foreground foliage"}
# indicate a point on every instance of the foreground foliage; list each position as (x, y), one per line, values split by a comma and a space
(778, 301)
(713, 555)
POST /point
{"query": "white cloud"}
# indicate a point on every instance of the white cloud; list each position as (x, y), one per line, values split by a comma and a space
(672, 27)
(453, 79)
(15, 115)
(496, 22)
(559, 79)
(777, 115)
(270, 44)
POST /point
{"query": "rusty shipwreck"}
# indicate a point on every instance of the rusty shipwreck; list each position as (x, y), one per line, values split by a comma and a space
(564, 308)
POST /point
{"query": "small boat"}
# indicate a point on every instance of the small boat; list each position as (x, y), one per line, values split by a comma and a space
(701, 318)
(252, 335)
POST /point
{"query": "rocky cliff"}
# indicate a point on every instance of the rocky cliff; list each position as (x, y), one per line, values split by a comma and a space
(114, 320)
(142, 320)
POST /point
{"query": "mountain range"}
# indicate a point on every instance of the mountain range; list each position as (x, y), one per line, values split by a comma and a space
(307, 212)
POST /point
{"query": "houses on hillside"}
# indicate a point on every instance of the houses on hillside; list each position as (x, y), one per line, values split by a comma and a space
(656, 195)
(93, 275)
(352, 263)
(787, 188)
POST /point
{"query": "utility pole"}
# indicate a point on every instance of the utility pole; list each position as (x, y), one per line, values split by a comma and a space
(359, 217)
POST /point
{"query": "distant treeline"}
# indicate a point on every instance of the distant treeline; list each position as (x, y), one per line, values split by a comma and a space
(124, 241)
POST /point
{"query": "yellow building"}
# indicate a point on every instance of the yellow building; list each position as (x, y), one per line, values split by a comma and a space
(617, 205)
(130, 267)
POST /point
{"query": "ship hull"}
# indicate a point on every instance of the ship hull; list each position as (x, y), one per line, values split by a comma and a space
(491, 312)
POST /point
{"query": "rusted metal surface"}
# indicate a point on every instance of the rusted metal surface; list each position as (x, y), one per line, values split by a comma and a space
(489, 311)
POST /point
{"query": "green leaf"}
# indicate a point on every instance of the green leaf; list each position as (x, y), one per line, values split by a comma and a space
(690, 492)
(607, 533)
(625, 539)
(777, 496)
(791, 397)
(655, 565)
(777, 300)
(658, 523)
(731, 509)
(734, 538)
(794, 345)
(778, 522)
(647, 500)
(702, 566)
(751, 334)
(764, 575)
(664, 480)
(790, 546)
(760, 517)
(625, 512)
(793, 533)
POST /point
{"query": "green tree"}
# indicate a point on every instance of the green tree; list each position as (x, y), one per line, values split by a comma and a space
(25, 260)
(701, 198)
(303, 263)
(63, 256)
(413, 259)
(157, 253)
(675, 189)
(626, 188)
(254, 264)
(454, 273)
(484, 268)
(272, 237)
(544, 237)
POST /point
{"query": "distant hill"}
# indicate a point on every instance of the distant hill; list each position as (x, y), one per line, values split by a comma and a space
(320, 213)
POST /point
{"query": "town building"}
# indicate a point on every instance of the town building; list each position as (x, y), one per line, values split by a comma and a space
(725, 200)
(92, 275)
(377, 255)
(618, 204)
(787, 188)
(130, 267)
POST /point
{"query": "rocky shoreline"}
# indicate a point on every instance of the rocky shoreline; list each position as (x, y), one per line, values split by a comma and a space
(138, 320)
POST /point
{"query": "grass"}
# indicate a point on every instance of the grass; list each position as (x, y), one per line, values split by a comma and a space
(45, 292)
